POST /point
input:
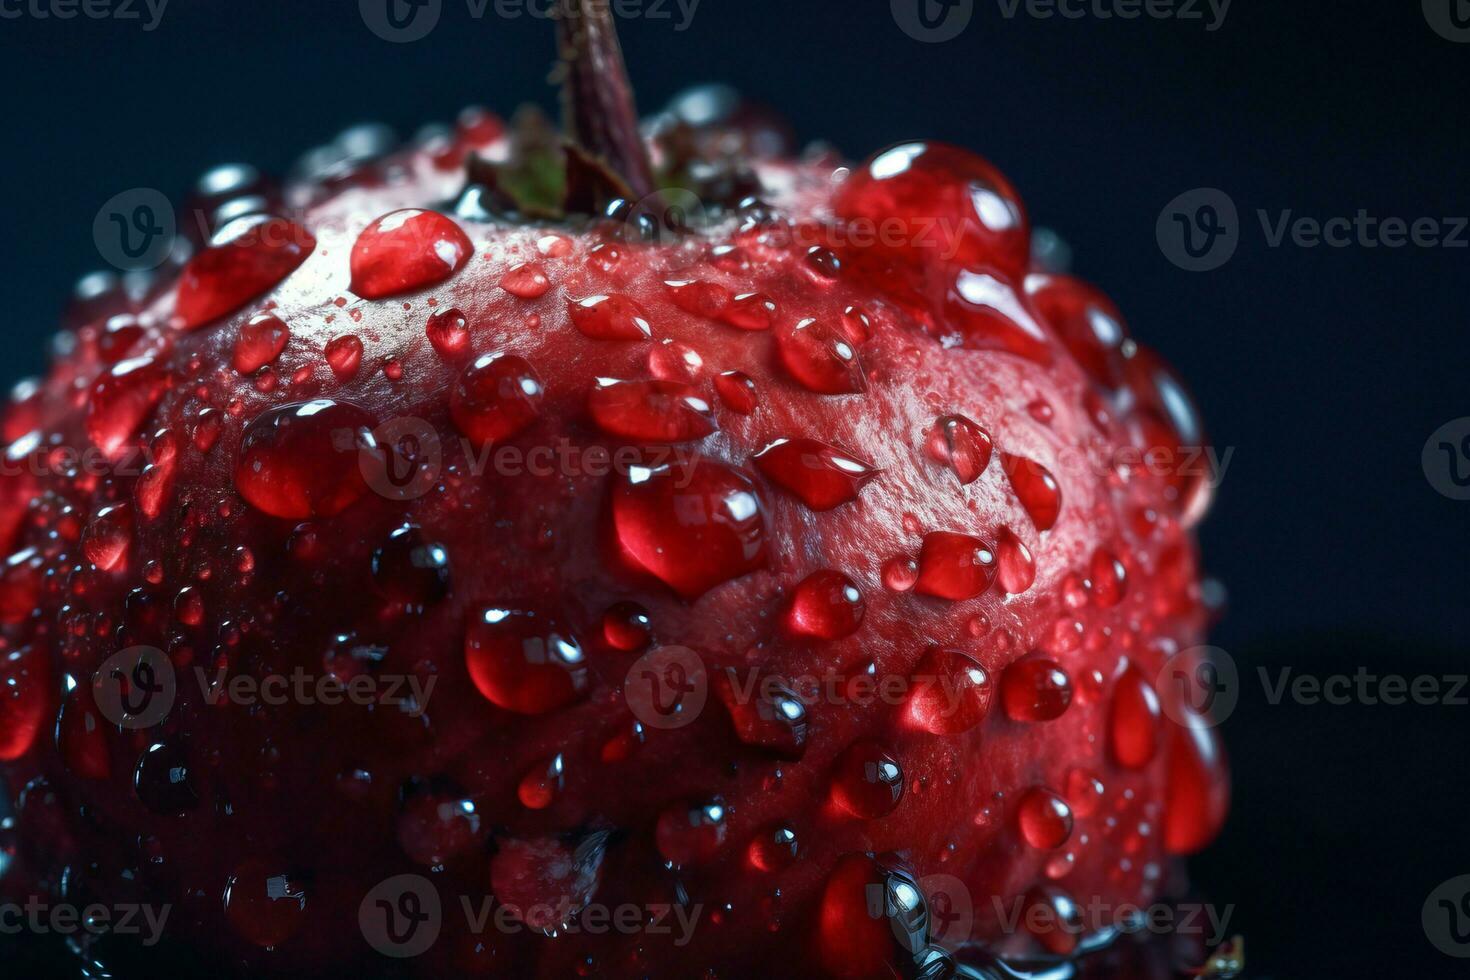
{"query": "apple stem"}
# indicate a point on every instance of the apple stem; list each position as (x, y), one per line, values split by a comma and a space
(597, 98)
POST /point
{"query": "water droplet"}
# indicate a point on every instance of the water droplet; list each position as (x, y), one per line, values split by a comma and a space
(951, 692)
(651, 411)
(954, 206)
(1035, 689)
(900, 574)
(819, 475)
(1084, 792)
(81, 737)
(706, 299)
(23, 699)
(610, 318)
(1089, 325)
(765, 713)
(691, 834)
(692, 526)
(545, 882)
(870, 912)
(961, 445)
(526, 281)
(264, 904)
(1054, 919)
(751, 311)
(1197, 794)
(449, 332)
(344, 355)
(121, 400)
(302, 460)
(524, 662)
(260, 341)
(108, 537)
(1109, 579)
(867, 782)
(826, 605)
(1044, 818)
(988, 314)
(954, 566)
(1036, 488)
(737, 391)
(246, 257)
(673, 361)
(189, 606)
(773, 849)
(541, 784)
(162, 780)
(410, 569)
(1015, 568)
(497, 397)
(1135, 721)
(118, 337)
(407, 250)
(822, 359)
(626, 626)
(437, 827)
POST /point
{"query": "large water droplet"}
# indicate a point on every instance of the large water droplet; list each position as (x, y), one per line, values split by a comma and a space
(951, 692)
(1197, 794)
(953, 205)
(303, 459)
(1015, 568)
(821, 476)
(954, 566)
(691, 834)
(1035, 689)
(822, 359)
(826, 605)
(108, 536)
(24, 700)
(610, 318)
(265, 904)
(449, 333)
(410, 569)
(765, 712)
(1044, 818)
(523, 661)
(496, 397)
(960, 444)
(162, 780)
(121, 400)
(650, 411)
(867, 781)
(693, 526)
(261, 340)
(1036, 488)
(407, 250)
(246, 257)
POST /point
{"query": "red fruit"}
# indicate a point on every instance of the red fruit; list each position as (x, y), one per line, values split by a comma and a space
(667, 565)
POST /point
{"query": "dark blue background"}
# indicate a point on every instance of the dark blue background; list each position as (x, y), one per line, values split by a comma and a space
(1325, 369)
